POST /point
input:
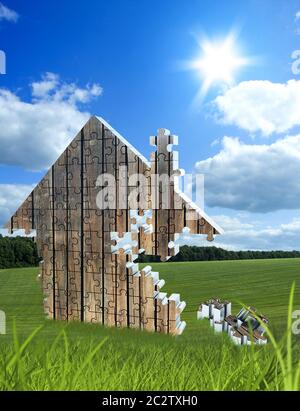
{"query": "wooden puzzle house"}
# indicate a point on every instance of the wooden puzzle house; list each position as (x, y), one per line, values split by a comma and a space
(89, 239)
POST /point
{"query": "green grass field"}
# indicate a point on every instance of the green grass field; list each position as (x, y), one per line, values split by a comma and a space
(92, 357)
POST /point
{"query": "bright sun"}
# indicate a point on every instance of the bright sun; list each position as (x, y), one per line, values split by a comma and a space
(218, 63)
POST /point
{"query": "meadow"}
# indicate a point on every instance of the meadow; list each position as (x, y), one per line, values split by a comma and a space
(39, 354)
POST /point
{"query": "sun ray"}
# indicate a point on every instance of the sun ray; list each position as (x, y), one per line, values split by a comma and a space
(218, 63)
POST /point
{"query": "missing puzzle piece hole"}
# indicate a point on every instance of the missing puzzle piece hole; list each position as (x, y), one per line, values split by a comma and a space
(123, 244)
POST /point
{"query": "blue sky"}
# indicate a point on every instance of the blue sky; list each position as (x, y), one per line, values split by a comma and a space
(125, 59)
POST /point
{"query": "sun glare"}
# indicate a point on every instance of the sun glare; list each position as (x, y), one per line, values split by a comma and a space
(218, 63)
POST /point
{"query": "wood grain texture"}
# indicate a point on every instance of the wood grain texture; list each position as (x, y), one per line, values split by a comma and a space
(81, 278)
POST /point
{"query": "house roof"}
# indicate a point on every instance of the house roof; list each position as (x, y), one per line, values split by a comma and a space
(188, 203)
(200, 211)
(193, 205)
(116, 133)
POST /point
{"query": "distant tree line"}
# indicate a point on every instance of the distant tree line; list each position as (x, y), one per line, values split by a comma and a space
(22, 252)
(188, 253)
(18, 252)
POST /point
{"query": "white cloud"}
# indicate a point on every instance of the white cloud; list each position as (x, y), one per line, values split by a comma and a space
(51, 90)
(261, 106)
(42, 89)
(244, 236)
(11, 197)
(256, 178)
(33, 134)
(8, 14)
(297, 15)
(240, 234)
